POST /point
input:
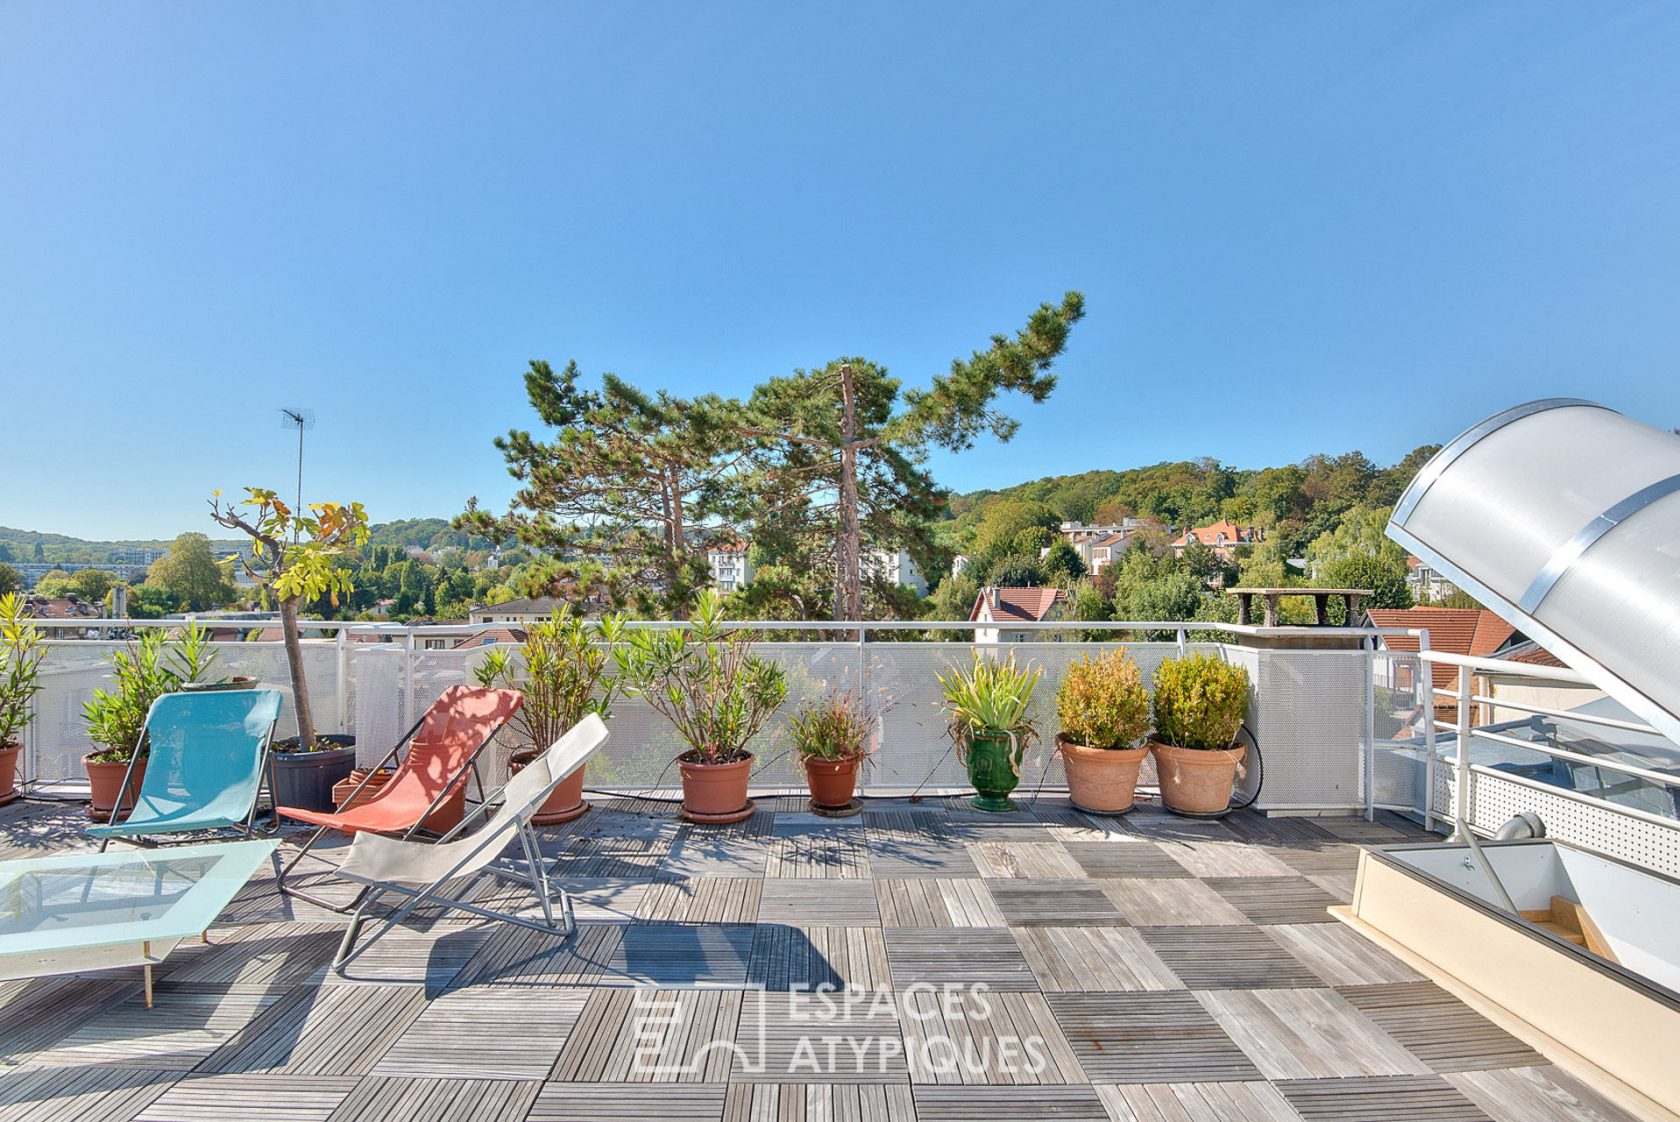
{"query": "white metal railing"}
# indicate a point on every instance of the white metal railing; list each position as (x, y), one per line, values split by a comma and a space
(1312, 708)
(1480, 795)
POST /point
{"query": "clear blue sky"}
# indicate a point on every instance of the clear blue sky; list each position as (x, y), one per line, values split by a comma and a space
(1299, 227)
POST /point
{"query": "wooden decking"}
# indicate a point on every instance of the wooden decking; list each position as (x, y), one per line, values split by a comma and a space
(1038, 965)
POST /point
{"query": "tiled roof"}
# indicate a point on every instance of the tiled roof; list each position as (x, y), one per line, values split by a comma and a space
(1026, 605)
(1462, 631)
(1209, 534)
(494, 636)
(542, 605)
(1532, 654)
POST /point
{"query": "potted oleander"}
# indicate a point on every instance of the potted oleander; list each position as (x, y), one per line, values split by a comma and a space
(562, 668)
(20, 680)
(833, 736)
(704, 679)
(1199, 705)
(1104, 714)
(989, 710)
(141, 672)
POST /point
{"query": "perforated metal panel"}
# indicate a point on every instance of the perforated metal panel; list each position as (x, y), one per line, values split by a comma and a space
(1495, 800)
(1309, 714)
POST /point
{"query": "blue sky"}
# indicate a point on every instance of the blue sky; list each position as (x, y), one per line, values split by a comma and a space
(1299, 227)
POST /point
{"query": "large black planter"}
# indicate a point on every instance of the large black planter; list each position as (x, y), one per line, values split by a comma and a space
(305, 779)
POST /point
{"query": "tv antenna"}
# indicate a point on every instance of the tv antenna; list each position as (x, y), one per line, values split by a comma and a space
(302, 420)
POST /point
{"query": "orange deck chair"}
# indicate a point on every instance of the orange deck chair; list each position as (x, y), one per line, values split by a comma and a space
(428, 791)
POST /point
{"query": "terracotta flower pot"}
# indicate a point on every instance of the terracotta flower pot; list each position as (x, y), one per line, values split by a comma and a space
(715, 793)
(8, 773)
(1101, 780)
(104, 781)
(345, 793)
(563, 804)
(832, 782)
(1197, 781)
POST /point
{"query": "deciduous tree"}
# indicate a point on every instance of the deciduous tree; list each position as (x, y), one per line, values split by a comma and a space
(190, 574)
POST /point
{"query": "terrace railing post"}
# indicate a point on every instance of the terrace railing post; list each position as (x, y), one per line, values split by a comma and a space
(1423, 687)
(407, 676)
(343, 671)
(863, 690)
(1370, 732)
(1461, 777)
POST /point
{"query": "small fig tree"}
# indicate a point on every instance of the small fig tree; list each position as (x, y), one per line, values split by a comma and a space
(292, 557)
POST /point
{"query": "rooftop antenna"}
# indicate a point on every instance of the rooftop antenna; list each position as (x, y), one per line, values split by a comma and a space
(302, 420)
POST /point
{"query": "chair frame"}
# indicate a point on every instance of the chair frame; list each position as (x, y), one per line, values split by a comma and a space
(534, 875)
(248, 831)
(470, 764)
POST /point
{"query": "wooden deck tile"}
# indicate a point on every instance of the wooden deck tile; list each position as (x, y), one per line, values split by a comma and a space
(995, 1104)
(701, 900)
(1536, 1094)
(680, 955)
(802, 902)
(651, 1036)
(1307, 1034)
(957, 956)
(1275, 899)
(428, 958)
(785, 957)
(819, 857)
(1148, 1038)
(337, 1030)
(788, 1037)
(273, 1098)
(604, 1102)
(1437, 1027)
(930, 902)
(1093, 960)
(1061, 902)
(437, 1100)
(80, 1094)
(1415, 1098)
(486, 1032)
(1201, 1102)
(1039, 860)
(1225, 859)
(1135, 858)
(698, 854)
(518, 956)
(986, 1038)
(921, 857)
(259, 956)
(36, 1012)
(1227, 958)
(607, 899)
(1163, 902)
(818, 1102)
(177, 1034)
(1340, 955)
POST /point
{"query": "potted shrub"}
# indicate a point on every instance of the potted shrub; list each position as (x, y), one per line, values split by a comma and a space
(294, 561)
(1104, 714)
(833, 736)
(1200, 702)
(562, 670)
(116, 718)
(20, 672)
(716, 693)
(988, 709)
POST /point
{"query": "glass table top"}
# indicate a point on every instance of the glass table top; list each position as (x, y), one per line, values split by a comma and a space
(96, 899)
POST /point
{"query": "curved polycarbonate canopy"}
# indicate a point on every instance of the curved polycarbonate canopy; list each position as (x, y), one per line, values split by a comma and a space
(1564, 517)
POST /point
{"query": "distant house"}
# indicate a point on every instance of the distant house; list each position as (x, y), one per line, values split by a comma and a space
(1004, 606)
(1426, 585)
(958, 564)
(731, 566)
(65, 607)
(522, 611)
(894, 566)
(1476, 632)
(1222, 537)
(495, 636)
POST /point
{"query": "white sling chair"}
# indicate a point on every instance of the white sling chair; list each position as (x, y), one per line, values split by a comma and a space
(419, 869)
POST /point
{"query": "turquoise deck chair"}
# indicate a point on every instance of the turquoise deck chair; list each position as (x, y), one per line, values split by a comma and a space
(205, 767)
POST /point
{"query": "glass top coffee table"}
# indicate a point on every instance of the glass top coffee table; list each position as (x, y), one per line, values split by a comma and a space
(75, 912)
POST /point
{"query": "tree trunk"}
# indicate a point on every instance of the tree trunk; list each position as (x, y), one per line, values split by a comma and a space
(848, 596)
(676, 531)
(294, 662)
